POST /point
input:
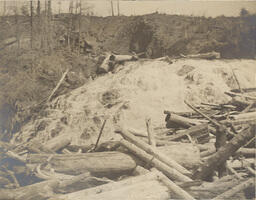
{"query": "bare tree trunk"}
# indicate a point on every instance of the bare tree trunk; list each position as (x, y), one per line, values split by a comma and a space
(31, 24)
(17, 26)
(118, 8)
(112, 8)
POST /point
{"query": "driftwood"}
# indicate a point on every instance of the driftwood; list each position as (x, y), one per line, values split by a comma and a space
(176, 121)
(153, 151)
(47, 188)
(175, 188)
(198, 132)
(233, 94)
(186, 154)
(236, 189)
(168, 171)
(151, 189)
(59, 142)
(209, 55)
(100, 163)
(238, 164)
(107, 187)
(58, 85)
(101, 131)
(224, 153)
(151, 139)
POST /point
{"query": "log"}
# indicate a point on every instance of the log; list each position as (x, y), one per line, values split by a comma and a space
(176, 121)
(185, 154)
(45, 189)
(209, 55)
(150, 189)
(238, 164)
(123, 58)
(224, 152)
(232, 94)
(197, 132)
(168, 171)
(107, 187)
(109, 164)
(104, 67)
(153, 151)
(217, 124)
(151, 139)
(58, 85)
(236, 189)
(59, 142)
(175, 188)
(244, 116)
(245, 90)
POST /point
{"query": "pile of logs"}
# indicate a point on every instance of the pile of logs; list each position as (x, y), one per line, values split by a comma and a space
(207, 153)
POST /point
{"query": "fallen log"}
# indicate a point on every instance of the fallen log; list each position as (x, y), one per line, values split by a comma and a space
(109, 164)
(106, 187)
(238, 164)
(224, 152)
(57, 143)
(176, 121)
(58, 85)
(232, 94)
(185, 154)
(151, 139)
(245, 90)
(175, 188)
(168, 171)
(153, 151)
(198, 132)
(209, 55)
(236, 189)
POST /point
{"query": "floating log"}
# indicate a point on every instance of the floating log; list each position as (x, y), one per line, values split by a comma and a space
(168, 171)
(107, 164)
(236, 189)
(153, 151)
(224, 152)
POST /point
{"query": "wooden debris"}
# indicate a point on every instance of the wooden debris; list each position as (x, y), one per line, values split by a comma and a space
(58, 85)
(152, 151)
(176, 121)
(99, 163)
(236, 189)
(168, 171)
(107, 187)
(210, 55)
(57, 143)
(175, 188)
(232, 94)
(101, 131)
(151, 139)
(224, 153)
(199, 132)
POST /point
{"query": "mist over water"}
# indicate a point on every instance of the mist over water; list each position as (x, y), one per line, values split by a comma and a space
(179, 7)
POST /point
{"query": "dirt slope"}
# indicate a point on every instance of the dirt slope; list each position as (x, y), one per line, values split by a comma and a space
(138, 90)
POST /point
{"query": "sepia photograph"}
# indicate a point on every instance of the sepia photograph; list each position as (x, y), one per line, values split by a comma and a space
(127, 99)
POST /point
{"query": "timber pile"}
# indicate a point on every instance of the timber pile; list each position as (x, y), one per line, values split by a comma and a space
(208, 153)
